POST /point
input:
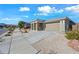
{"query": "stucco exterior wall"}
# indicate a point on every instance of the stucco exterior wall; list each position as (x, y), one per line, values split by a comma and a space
(62, 25)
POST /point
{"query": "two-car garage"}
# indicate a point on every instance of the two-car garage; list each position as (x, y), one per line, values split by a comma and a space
(53, 26)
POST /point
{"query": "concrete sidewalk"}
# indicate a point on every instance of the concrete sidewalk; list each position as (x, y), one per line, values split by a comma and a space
(20, 45)
(5, 45)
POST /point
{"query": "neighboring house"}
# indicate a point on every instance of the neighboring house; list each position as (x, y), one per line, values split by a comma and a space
(76, 27)
(59, 24)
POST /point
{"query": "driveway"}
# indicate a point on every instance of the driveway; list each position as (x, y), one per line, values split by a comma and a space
(42, 42)
(56, 43)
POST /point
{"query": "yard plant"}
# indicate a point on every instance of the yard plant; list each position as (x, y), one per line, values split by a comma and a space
(10, 30)
(21, 24)
(72, 35)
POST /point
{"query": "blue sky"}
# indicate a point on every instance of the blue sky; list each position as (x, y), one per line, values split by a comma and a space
(12, 13)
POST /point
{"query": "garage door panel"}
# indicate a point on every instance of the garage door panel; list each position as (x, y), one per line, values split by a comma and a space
(53, 26)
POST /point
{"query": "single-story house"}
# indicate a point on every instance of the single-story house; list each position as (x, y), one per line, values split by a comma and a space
(60, 24)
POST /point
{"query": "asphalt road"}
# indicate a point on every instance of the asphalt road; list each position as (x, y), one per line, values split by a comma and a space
(2, 31)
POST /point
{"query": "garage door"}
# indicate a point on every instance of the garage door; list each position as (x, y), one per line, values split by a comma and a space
(53, 26)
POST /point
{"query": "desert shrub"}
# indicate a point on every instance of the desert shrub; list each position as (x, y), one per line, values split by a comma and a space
(72, 35)
(8, 34)
(11, 28)
(77, 37)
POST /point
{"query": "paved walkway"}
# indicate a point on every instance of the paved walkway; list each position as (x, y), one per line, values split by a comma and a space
(20, 45)
(5, 45)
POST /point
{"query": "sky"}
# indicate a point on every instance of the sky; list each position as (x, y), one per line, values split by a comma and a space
(13, 13)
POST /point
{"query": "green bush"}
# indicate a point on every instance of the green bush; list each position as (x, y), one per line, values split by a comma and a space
(72, 35)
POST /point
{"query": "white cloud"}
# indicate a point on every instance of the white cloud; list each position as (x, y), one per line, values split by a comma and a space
(49, 9)
(46, 10)
(73, 8)
(10, 19)
(60, 11)
(24, 9)
(40, 14)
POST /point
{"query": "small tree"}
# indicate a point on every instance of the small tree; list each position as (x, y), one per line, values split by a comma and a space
(21, 24)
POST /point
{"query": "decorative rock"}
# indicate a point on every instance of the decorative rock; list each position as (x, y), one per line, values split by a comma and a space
(74, 44)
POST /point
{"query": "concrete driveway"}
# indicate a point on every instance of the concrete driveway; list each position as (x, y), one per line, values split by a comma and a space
(43, 42)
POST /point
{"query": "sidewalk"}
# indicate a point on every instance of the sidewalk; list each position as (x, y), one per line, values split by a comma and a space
(5, 45)
(20, 45)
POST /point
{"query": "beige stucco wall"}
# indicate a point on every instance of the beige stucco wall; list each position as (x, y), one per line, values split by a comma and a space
(53, 26)
(62, 25)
